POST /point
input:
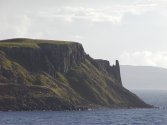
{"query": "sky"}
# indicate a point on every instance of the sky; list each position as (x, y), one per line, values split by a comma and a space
(132, 31)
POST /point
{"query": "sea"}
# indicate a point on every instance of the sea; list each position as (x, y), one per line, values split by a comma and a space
(155, 116)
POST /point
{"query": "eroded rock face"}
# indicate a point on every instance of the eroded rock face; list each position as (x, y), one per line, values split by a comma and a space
(48, 57)
(53, 75)
(104, 66)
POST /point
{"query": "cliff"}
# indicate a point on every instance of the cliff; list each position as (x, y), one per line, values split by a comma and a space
(58, 75)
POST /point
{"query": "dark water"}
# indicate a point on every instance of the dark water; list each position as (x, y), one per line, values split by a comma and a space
(95, 117)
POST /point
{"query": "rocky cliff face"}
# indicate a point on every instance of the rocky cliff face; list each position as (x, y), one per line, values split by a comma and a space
(58, 75)
(49, 57)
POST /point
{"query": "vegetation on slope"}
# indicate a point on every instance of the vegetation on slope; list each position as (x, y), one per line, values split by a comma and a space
(58, 78)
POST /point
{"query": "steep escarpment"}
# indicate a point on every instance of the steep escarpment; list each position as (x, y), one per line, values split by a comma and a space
(58, 75)
(48, 56)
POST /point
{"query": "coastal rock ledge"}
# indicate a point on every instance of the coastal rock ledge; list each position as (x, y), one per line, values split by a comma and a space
(58, 75)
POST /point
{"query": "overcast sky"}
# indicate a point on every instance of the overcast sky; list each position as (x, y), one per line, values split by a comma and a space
(133, 31)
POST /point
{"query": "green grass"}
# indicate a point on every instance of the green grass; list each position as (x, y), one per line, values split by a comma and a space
(30, 43)
(42, 79)
(10, 44)
(61, 78)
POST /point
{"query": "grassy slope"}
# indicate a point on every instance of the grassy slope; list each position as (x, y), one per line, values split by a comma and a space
(99, 88)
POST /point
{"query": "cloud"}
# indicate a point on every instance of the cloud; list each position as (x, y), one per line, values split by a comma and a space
(53, 21)
(23, 26)
(108, 13)
(16, 26)
(150, 58)
(18, 22)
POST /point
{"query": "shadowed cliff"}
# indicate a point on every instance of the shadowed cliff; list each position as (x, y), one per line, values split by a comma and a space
(58, 75)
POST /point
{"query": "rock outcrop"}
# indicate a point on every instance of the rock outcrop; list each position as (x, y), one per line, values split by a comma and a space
(58, 75)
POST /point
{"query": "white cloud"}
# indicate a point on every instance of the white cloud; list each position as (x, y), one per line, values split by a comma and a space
(150, 58)
(18, 22)
(16, 26)
(110, 13)
(23, 26)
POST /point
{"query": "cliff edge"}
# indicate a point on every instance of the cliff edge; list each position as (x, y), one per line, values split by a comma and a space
(58, 75)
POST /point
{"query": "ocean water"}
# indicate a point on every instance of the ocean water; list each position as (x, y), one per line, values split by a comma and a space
(156, 116)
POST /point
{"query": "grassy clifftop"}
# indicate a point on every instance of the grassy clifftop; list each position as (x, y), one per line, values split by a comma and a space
(32, 43)
(58, 75)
